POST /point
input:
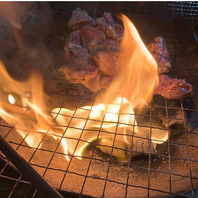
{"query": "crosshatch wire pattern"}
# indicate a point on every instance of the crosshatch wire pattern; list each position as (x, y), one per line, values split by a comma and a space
(100, 175)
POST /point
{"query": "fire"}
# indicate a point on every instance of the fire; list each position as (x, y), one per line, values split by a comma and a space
(96, 123)
(25, 113)
(110, 123)
(114, 120)
(138, 70)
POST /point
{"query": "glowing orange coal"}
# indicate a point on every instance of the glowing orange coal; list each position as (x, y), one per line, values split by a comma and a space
(132, 87)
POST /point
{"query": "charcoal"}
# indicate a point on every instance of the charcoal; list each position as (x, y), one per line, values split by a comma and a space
(175, 111)
(138, 144)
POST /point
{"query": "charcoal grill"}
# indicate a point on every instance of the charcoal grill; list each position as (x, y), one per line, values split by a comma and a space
(171, 172)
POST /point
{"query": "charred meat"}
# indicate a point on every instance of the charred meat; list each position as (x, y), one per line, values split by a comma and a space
(173, 88)
(89, 33)
(158, 49)
(79, 18)
(92, 51)
(106, 81)
(76, 52)
(80, 70)
(106, 62)
(109, 27)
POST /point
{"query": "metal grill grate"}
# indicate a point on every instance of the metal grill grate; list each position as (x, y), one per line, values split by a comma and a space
(171, 172)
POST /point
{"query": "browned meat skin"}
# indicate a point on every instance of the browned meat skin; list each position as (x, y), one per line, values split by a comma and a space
(76, 52)
(158, 49)
(79, 70)
(79, 17)
(89, 33)
(115, 31)
(173, 88)
(109, 27)
(108, 17)
(110, 43)
(104, 45)
(73, 40)
(107, 62)
(93, 84)
(164, 64)
(106, 81)
(102, 24)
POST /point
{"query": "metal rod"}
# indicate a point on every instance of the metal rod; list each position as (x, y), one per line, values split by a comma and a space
(28, 172)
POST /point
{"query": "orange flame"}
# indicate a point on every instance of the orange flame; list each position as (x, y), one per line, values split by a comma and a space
(131, 88)
(29, 115)
(138, 70)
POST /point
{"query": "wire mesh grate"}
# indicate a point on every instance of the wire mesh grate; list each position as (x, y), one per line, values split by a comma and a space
(171, 171)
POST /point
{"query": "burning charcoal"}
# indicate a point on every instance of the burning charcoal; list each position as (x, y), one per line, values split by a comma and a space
(185, 33)
(176, 117)
(121, 150)
(142, 145)
(158, 49)
(173, 88)
(107, 62)
(79, 17)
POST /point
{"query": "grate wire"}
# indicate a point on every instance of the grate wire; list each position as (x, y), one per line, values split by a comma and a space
(161, 10)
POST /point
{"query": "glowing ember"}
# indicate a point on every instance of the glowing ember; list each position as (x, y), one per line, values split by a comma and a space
(111, 123)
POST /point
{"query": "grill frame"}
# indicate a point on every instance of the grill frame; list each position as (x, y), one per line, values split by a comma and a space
(151, 9)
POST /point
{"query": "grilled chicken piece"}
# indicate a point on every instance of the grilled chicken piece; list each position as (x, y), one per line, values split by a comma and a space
(93, 84)
(107, 62)
(115, 31)
(78, 19)
(73, 40)
(158, 49)
(104, 45)
(106, 81)
(80, 70)
(109, 27)
(111, 43)
(89, 33)
(173, 88)
(76, 52)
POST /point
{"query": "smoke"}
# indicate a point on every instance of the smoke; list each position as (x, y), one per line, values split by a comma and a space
(11, 12)
(29, 26)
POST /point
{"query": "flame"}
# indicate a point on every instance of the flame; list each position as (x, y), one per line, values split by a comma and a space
(131, 88)
(138, 70)
(99, 123)
(29, 115)
(113, 120)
